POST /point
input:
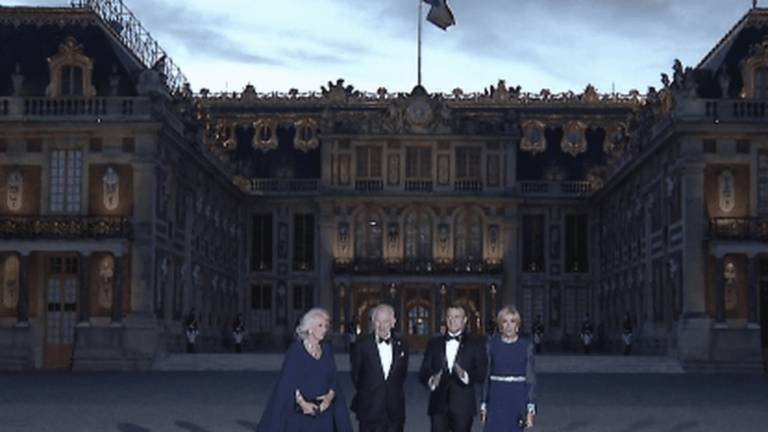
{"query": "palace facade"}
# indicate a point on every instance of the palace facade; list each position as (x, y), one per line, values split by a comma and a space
(128, 202)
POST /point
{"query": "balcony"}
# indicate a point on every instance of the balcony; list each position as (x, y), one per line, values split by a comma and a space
(64, 227)
(745, 228)
(369, 185)
(281, 186)
(566, 189)
(77, 107)
(468, 186)
(417, 267)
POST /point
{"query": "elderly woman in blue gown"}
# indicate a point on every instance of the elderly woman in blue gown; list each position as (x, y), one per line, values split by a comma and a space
(307, 396)
(509, 392)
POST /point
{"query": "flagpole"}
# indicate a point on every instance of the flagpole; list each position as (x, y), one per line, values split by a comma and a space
(418, 62)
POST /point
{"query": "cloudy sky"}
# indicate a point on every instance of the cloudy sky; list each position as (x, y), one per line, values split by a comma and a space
(561, 45)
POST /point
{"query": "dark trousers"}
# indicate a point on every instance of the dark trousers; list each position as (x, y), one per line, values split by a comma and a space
(449, 422)
(381, 426)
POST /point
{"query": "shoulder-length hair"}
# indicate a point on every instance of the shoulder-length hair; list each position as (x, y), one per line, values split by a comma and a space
(511, 310)
(310, 319)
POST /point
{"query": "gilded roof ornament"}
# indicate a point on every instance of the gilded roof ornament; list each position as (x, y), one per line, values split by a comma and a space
(533, 140)
(306, 135)
(574, 141)
(264, 135)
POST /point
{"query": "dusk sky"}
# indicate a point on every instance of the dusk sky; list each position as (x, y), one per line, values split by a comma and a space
(556, 44)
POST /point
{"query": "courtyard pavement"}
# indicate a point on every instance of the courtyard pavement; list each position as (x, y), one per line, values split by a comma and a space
(232, 401)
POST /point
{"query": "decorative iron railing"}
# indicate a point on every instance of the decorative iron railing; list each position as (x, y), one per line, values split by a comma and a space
(743, 228)
(281, 186)
(25, 227)
(129, 31)
(413, 266)
(547, 188)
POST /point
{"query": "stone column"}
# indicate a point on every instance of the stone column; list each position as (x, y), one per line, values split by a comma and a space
(117, 305)
(753, 282)
(22, 308)
(694, 325)
(85, 295)
(719, 292)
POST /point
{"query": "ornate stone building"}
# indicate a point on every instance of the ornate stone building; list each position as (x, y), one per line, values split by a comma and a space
(129, 202)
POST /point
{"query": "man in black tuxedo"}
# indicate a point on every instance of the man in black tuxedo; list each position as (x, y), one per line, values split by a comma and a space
(453, 364)
(379, 366)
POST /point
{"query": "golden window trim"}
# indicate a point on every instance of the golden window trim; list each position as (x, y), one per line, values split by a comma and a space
(756, 61)
(70, 54)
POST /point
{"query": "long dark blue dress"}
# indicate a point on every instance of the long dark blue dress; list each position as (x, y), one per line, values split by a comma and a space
(510, 384)
(313, 377)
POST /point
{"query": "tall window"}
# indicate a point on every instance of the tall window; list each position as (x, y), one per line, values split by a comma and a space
(261, 308)
(533, 243)
(71, 81)
(418, 163)
(369, 162)
(261, 251)
(303, 241)
(418, 236)
(576, 259)
(468, 163)
(368, 236)
(66, 180)
(469, 238)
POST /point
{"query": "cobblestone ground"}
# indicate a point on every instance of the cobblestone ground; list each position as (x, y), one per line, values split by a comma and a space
(233, 402)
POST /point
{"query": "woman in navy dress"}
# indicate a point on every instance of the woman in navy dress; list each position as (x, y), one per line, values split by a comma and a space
(307, 396)
(509, 391)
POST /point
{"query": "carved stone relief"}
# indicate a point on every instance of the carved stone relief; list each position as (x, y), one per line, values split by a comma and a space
(11, 282)
(726, 191)
(729, 273)
(110, 189)
(443, 170)
(15, 189)
(106, 280)
(393, 169)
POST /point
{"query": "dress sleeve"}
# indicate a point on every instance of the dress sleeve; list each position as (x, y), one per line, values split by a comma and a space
(530, 378)
(487, 378)
(280, 405)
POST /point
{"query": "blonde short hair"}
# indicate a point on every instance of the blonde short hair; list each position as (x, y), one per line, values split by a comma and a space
(511, 310)
(311, 318)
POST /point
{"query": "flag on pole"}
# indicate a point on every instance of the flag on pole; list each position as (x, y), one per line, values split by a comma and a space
(439, 14)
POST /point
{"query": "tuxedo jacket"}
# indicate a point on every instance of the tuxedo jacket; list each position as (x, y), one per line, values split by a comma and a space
(452, 395)
(377, 398)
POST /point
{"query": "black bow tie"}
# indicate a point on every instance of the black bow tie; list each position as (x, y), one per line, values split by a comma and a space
(385, 341)
(449, 338)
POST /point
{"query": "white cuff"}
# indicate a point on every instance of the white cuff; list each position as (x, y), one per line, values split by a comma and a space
(465, 380)
(532, 409)
(483, 407)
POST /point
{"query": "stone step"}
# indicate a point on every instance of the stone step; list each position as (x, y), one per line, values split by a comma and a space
(544, 363)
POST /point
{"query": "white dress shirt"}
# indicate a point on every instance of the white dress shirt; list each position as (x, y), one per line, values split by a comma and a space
(451, 349)
(385, 354)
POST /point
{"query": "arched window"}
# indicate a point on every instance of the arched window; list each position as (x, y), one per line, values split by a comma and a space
(71, 71)
(418, 236)
(468, 238)
(368, 235)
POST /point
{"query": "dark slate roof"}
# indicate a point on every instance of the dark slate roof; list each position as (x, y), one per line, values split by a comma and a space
(29, 36)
